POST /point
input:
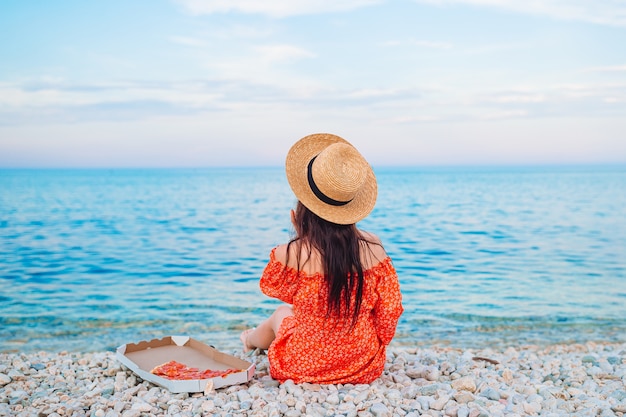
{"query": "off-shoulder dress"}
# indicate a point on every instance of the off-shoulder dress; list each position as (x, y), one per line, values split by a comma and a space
(312, 347)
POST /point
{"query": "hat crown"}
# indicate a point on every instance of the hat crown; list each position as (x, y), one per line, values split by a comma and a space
(339, 172)
(331, 178)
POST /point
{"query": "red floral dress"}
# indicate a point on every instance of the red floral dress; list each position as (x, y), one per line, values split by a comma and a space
(311, 347)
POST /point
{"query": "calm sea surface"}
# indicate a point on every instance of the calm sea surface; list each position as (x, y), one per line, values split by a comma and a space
(92, 259)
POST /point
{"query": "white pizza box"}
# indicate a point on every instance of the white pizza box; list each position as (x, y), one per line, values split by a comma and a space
(142, 357)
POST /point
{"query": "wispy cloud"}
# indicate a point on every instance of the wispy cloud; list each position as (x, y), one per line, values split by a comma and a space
(431, 44)
(612, 12)
(264, 64)
(494, 48)
(518, 98)
(240, 31)
(402, 120)
(46, 101)
(188, 41)
(275, 53)
(274, 8)
(613, 68)
(419, 43)
(568, 100)
(503, 115)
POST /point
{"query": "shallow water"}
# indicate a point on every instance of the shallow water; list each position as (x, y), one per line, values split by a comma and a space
(91, 259)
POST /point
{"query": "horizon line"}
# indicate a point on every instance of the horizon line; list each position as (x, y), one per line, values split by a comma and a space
(375, 166)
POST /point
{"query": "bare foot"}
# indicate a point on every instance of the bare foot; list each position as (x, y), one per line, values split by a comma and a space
(244, 340)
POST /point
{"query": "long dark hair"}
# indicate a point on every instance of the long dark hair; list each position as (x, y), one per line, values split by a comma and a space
(340, 249)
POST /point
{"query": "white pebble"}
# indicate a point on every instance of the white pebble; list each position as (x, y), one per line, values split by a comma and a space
(532, 408)
(4, 379)
(332, 399)
(443, 382)
(439, 403)
(466, 383)
(380, 410)
(433, 374)
(142, 406)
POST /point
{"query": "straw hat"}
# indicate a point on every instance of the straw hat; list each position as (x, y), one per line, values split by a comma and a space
(331, 178)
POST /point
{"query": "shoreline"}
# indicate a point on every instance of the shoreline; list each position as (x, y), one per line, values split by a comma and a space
(585, 379)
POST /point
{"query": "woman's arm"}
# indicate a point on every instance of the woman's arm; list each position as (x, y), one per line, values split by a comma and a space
(389, 306)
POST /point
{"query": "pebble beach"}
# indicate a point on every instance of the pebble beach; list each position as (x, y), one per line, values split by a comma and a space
(558, 380)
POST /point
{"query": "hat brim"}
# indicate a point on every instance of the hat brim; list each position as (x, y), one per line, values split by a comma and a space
(296, 167)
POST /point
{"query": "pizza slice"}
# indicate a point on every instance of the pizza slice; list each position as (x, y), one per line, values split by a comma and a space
(178, 371)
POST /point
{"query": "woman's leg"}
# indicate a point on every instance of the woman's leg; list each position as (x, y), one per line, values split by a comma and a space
(264, 334)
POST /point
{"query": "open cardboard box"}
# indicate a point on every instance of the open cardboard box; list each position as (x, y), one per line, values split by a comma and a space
(143, 356)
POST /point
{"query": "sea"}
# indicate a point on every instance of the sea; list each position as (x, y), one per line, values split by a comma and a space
(91, 259)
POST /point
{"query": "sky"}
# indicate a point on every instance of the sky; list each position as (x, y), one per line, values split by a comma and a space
(195, 83)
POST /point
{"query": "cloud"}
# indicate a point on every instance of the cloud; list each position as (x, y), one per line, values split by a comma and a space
(412, 119)
(609, 12)
(431, 44)
(613, 68)
(567, 100)
(188, 41)
(274, 8)
(420, 43)
(264, 65)
(241, 31)
(518, 98)
(275, 53)
(53, 101)
(504, 114)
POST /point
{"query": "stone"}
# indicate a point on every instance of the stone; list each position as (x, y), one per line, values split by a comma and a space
(619, 395)
(463, 397)
(380, 410)
(414, 372)
(507, 375)
(451, 411)
(465, 383)
(614, 360)
(589, 359)
(424, 402)
(430, 389)
(532, 408)
(439, 403)
(361, 397)
(332, 399)
(142, 407)
(16, 375)
(315, 410)
(491, 393)
(433, 374)
(4, 380)
(530, 381)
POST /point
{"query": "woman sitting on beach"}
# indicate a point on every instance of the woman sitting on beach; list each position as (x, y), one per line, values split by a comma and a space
(342, 289)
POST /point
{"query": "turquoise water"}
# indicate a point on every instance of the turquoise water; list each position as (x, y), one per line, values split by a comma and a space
(91, 259)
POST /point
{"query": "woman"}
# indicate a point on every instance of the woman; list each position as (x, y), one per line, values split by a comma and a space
(341, 288)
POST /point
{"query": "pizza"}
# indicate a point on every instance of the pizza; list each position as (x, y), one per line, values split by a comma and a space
(178, 371)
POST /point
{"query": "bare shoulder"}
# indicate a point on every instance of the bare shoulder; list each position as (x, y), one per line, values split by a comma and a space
(280, 253)
(370, 237)
(298, 257)
(375, 252)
